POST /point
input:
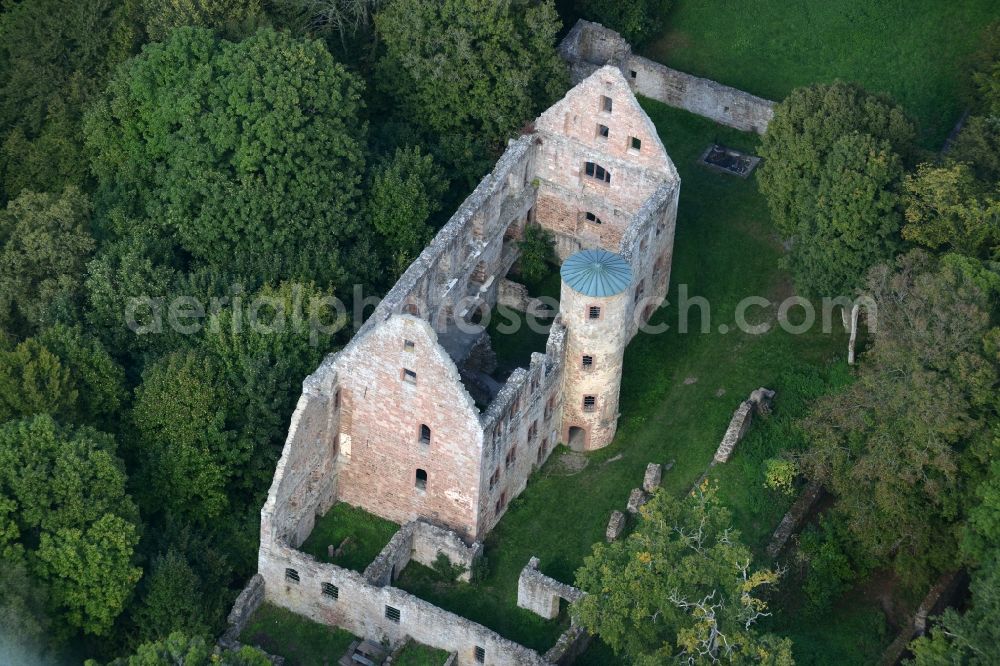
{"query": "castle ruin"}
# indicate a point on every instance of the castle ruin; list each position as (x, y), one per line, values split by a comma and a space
(389, 423)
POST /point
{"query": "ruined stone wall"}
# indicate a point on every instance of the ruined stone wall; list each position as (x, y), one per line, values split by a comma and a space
(541, 594)
(305, 479)
(524, 418)
(590, 45)
(648, 246)
(361, 608)
(723, 104)
(470, 248)
(420, 541)
(380, 471)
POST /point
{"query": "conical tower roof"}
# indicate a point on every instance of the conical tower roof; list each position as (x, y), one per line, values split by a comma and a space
(597, 273)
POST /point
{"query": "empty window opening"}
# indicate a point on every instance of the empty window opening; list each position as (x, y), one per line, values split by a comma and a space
(597, 172)
(408, 345)
(392, 614)
(603, 131)
(587, 362)
(606, 104)
(635, 143)
(512, 455)
(425, 434)
(542, 449)
(331, 590)
(632, 73)
(336, 399)
(501, 503)
(590, 217)
(589, 403)
(421, 480)
(292, 575)
(594, 312)
(495, 477)
(532, 431)
(409, 376)
(480, 655)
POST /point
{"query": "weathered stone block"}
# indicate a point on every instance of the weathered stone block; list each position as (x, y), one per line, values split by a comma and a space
(616, 525)
(651, 481)
(635, 500)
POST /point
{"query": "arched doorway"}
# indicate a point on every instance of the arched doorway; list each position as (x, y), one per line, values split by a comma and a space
(577, 438)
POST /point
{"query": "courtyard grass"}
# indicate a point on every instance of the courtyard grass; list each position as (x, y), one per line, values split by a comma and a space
(678, 393)
(915, 50)
(300, 641)
(415, 654)
(366, 536)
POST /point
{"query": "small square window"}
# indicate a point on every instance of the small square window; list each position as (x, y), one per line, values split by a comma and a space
(632, 73)
(603, 131)
(331, 590)
(408, 345)
(635, 143)
(606, 104)
(392, 614)
(292, 575)
(589, 403)
(409, 376)
(594, 312)
(587, 362)
(480, 655)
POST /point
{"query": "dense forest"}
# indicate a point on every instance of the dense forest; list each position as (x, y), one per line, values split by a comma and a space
(216, 151)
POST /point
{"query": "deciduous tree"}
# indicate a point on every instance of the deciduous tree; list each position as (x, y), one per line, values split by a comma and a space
(72, 517)
(468, 73)
(405, 192)
(948, 208)
(680, 587)
(251, 153)
(45, 242)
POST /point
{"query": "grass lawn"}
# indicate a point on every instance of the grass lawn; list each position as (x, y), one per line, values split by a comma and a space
(367, 534)
(300, 641)
(415, 654)
(915, 50)
(678, 394)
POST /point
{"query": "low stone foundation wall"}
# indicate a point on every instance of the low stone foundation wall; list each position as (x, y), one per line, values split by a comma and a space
(589, 46)
(515, 295)
(420, 541)
(540, 594)
(760, 402)
(792, 521)
(334, 596)
(246, 604)
(571, 644)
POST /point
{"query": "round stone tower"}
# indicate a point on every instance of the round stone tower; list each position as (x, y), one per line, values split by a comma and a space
(594, 305)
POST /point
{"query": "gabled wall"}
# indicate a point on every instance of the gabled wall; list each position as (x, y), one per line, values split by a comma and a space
(378, 470)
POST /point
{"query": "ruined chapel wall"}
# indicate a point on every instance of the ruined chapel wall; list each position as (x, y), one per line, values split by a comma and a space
(379, 471)
(443, 273)
(360, 607)
(648, 246)
(589, 45)
(704, 97)
(305, 479)
(526, 417)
